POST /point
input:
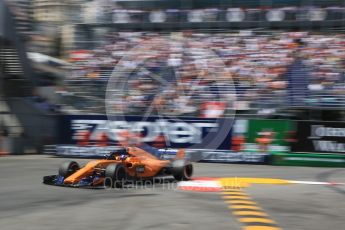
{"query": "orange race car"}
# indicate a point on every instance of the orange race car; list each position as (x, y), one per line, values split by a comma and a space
(122, 166)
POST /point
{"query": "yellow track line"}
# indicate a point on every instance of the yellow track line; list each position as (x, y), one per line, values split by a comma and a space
(242, 182)
(261, 228)
(256, 220)
(236, 202)
(249, 213)
(246, 210)
(243, 197)
(233, 193)
(245, 207)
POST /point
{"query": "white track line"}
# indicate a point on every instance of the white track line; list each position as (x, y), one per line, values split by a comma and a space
(315, 182)
(215, 185)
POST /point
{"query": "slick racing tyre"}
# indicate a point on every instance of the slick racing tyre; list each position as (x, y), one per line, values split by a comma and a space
(182, 170)
(115, 176)
(68, 168)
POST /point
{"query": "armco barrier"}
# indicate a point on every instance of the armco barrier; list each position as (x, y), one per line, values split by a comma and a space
(234, 157)
(306, 137)
(307, 159)
(195, 155)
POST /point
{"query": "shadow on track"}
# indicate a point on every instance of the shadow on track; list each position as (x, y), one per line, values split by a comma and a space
(325, 176)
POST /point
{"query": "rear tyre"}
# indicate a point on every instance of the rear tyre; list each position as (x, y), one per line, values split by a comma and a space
(115, 176)
(182, 170)
(68, 168)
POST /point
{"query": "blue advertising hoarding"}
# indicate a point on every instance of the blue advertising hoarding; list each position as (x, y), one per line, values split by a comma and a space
(196, 133)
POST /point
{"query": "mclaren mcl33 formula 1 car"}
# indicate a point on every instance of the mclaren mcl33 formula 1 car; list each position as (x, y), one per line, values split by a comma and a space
(120, 167)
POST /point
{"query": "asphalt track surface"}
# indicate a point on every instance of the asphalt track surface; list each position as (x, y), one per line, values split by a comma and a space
(26, 203)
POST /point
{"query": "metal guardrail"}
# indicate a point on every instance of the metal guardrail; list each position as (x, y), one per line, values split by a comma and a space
(93, 101)
(327, 99)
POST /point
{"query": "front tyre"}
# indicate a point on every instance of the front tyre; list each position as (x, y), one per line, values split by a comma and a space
(68, 168)
(182, 170)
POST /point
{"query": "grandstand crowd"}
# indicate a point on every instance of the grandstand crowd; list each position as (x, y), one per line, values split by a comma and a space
(182, 73)
(325, 54)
